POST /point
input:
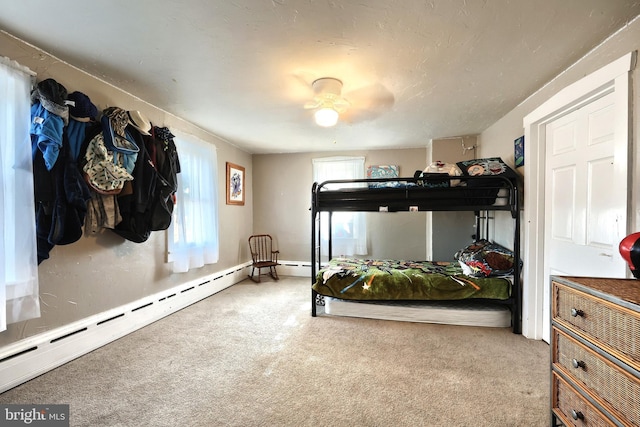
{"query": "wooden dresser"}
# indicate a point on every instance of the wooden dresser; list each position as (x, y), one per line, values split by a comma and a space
(595, 351)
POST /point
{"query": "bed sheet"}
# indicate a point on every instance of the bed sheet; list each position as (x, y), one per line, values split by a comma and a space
(386, 280)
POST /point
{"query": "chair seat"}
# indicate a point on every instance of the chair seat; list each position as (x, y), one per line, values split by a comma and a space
(261, 264)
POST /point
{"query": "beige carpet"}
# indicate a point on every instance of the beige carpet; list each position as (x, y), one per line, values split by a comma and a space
(252, 355)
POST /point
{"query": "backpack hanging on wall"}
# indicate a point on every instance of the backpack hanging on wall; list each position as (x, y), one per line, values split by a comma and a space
(149, 205)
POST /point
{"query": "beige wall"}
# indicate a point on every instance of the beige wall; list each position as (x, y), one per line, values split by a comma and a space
(498, 139)
(103, 271)
(282, 198)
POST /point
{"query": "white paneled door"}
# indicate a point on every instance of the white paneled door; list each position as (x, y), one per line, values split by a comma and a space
(585, 195)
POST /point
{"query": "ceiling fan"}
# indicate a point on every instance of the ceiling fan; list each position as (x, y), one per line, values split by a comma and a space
(327, 101)
(361, 104)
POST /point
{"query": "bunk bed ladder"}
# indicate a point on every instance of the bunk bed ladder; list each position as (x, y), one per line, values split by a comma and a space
(316, 241)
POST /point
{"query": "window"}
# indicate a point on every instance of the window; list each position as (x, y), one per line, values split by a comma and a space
(349, 228)
(18, 260)
(193, 234)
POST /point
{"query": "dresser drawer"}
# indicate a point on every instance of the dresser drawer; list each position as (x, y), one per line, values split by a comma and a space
(610, 326)
(615, 389)
(572, 409)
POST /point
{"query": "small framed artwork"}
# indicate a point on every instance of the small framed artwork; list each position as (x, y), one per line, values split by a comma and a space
(382, 171)
(235, 184)
(518, 146)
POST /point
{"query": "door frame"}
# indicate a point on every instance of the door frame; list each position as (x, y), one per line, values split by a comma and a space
(613, 77)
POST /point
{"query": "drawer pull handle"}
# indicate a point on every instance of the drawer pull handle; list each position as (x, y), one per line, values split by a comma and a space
(577, 363)
(575, 312)
(577, 415)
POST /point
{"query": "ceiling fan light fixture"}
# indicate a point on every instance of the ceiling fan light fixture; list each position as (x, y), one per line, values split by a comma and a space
(326, 117)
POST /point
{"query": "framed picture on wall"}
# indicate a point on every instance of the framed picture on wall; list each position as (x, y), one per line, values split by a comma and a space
(382, 171)
(235, 184)
(518, 146)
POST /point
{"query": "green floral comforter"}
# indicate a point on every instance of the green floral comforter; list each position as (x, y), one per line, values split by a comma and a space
(360, 279)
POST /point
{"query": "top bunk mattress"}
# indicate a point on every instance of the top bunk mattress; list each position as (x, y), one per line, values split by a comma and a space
(411, 197)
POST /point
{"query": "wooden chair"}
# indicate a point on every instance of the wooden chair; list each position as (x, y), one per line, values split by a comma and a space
(263, 256)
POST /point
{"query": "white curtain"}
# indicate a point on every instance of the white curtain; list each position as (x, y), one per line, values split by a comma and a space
(193, 234)
(349, 228)
(18, 260)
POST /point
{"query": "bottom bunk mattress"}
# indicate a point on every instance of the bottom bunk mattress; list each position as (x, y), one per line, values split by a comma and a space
(394, 280)
(443, 312)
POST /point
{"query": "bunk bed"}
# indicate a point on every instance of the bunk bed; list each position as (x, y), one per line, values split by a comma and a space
(404, 283)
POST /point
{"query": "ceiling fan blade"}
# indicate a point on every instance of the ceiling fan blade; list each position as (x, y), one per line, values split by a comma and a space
(341, 104)
(368, 103)
(298, 86)
(374, 96)
(304, 79)
(312, 104)
(357, 115)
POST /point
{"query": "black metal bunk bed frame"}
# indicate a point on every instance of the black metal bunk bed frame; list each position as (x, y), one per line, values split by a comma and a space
(478, 194)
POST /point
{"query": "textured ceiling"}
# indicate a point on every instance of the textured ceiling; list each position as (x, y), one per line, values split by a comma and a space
(413, 70)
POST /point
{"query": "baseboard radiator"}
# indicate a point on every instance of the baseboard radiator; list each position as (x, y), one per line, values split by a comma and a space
(33, 356)
(295, 268)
